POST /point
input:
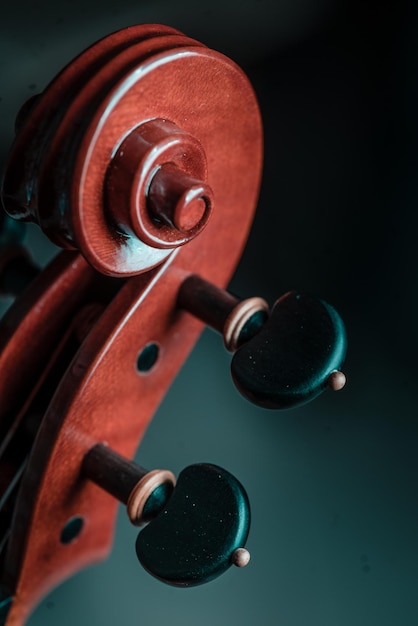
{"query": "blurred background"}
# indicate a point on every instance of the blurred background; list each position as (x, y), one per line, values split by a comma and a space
(333, 485)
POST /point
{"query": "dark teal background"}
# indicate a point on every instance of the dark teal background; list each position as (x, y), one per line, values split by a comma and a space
(333, 485)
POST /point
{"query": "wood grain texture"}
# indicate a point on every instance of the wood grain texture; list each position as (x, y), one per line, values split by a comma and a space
(156, 73)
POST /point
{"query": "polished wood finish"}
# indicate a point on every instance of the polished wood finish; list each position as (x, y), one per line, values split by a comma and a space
(64, 167)
(104, 117)
(155, 185)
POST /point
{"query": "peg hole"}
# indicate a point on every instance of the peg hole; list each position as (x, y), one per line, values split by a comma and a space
(71, 529)
(147, 358)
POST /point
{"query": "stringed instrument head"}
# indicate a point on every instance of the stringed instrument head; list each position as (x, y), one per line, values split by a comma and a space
(143, 160)
(143, 155)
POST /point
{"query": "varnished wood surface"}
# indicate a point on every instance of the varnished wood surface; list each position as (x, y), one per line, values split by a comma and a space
(343, 523)
(103, 397)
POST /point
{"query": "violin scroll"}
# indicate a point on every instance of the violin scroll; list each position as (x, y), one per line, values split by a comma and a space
(133, 146)
(142, 159)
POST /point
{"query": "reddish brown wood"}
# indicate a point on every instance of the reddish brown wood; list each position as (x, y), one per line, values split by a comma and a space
(98, 400)
(154, 183)
(203, 98)
(37, 125)
(26, 341)
(141, 74)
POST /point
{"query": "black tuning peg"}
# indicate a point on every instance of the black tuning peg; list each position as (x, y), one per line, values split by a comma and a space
(282, 359)
(195, 528)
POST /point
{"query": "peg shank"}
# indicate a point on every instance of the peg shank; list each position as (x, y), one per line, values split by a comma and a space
(206, 301)
(111, 471)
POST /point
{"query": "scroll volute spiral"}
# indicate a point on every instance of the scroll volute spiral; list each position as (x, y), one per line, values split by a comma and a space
(129, 151)
(145, 155)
